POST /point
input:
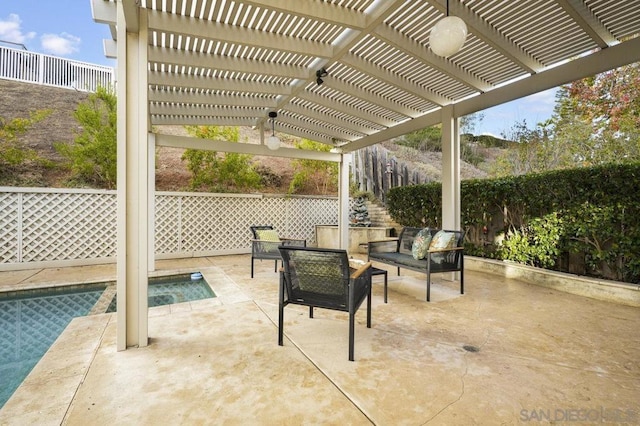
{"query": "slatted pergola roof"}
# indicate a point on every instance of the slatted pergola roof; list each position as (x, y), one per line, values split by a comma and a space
(232, 62)
(224, 62)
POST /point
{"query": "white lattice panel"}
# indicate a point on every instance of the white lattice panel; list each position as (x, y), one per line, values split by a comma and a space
(168, 220)
(203, 228)
(68, 226)
(9, 228)
(306, 213)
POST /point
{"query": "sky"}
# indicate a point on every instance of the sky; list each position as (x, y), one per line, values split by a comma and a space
(66, 29)
(61, 28)
(533, 109)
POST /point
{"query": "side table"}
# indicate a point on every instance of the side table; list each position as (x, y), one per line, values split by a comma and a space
(378, 271)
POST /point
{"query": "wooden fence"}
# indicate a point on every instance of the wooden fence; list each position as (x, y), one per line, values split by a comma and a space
(377, 170)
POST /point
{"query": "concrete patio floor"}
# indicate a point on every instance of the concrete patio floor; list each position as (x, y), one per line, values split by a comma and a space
(537, 356)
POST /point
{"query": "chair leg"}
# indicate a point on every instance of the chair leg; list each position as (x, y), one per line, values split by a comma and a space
(310, 311)
(275, 268)
(352, 321)
(369, 306)
(281, 311)
(385, 286)
(462, 276)
(429, 280)
(251, 266)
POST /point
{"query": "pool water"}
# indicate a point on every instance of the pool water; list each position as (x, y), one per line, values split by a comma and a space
(177, 289)
(30, 321)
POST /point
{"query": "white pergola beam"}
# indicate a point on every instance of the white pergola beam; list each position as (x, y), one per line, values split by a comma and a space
(336, 133)
(203, 98)
(191, 120)
(347, 124)
(394, 80)
(491, 36)
(376, 13)
(596, 63)
(325, 12)
(206, 111)
(159, 78)
(580, 13)
(187, 142)
(110, 48)
(424, 54)
(614, 56)
(104, 12)
(371, 97)
(224, 63)
(199, 28)
(304, 133)
(330, 103)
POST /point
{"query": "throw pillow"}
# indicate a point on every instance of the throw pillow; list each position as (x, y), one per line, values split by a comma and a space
(421, 244)
(267, 235)
(443, 240)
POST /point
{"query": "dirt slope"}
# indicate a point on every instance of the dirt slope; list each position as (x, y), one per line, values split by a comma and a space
(21, 99)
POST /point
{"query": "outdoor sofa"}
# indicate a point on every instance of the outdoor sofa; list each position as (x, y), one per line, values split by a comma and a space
(424, 250)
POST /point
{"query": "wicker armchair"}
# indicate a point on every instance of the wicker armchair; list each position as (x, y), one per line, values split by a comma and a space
(264, 245)
(322, 278)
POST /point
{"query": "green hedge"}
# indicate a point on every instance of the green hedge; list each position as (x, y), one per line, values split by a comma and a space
(588, 215)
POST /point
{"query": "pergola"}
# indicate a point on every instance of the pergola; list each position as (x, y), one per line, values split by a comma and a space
(348, 73)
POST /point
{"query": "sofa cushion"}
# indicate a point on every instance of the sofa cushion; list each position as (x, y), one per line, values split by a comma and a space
(268, 235)
(421, 244)
(400, 259)
(443, 240)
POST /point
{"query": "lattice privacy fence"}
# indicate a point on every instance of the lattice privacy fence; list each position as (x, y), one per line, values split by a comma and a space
(78, 227)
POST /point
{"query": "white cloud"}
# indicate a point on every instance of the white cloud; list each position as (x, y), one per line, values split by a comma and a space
(542, 101)
(10, 30)
(61, 45)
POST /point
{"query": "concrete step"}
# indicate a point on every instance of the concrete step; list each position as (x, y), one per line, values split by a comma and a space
(379, 216)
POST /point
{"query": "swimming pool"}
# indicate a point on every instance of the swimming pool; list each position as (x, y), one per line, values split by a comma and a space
(31, 320)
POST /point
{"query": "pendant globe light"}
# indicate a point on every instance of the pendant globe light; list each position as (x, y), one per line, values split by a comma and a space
(448, 35)
(273, 142)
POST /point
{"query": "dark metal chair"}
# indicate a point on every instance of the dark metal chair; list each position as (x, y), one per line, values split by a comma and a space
(264, 245)
(322, 278)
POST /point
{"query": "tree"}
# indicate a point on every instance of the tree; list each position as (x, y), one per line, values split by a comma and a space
(217, 172)
(427, 139)
(324, 174)
(13, 153)
(359, 215)
(598, 118)
(469, 122)
(430, 138)
(92, 156)
(534, 151)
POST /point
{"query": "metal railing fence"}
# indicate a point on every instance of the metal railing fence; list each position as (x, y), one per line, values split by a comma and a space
(31, 67)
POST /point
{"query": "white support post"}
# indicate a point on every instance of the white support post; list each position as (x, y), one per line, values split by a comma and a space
(343, 201)
(450, 174)
(151, 159)
(450, 169)
(132, 264)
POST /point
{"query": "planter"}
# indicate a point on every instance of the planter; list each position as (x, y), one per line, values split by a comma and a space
(610, 291)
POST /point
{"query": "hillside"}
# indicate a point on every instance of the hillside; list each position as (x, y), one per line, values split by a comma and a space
(20, 99)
